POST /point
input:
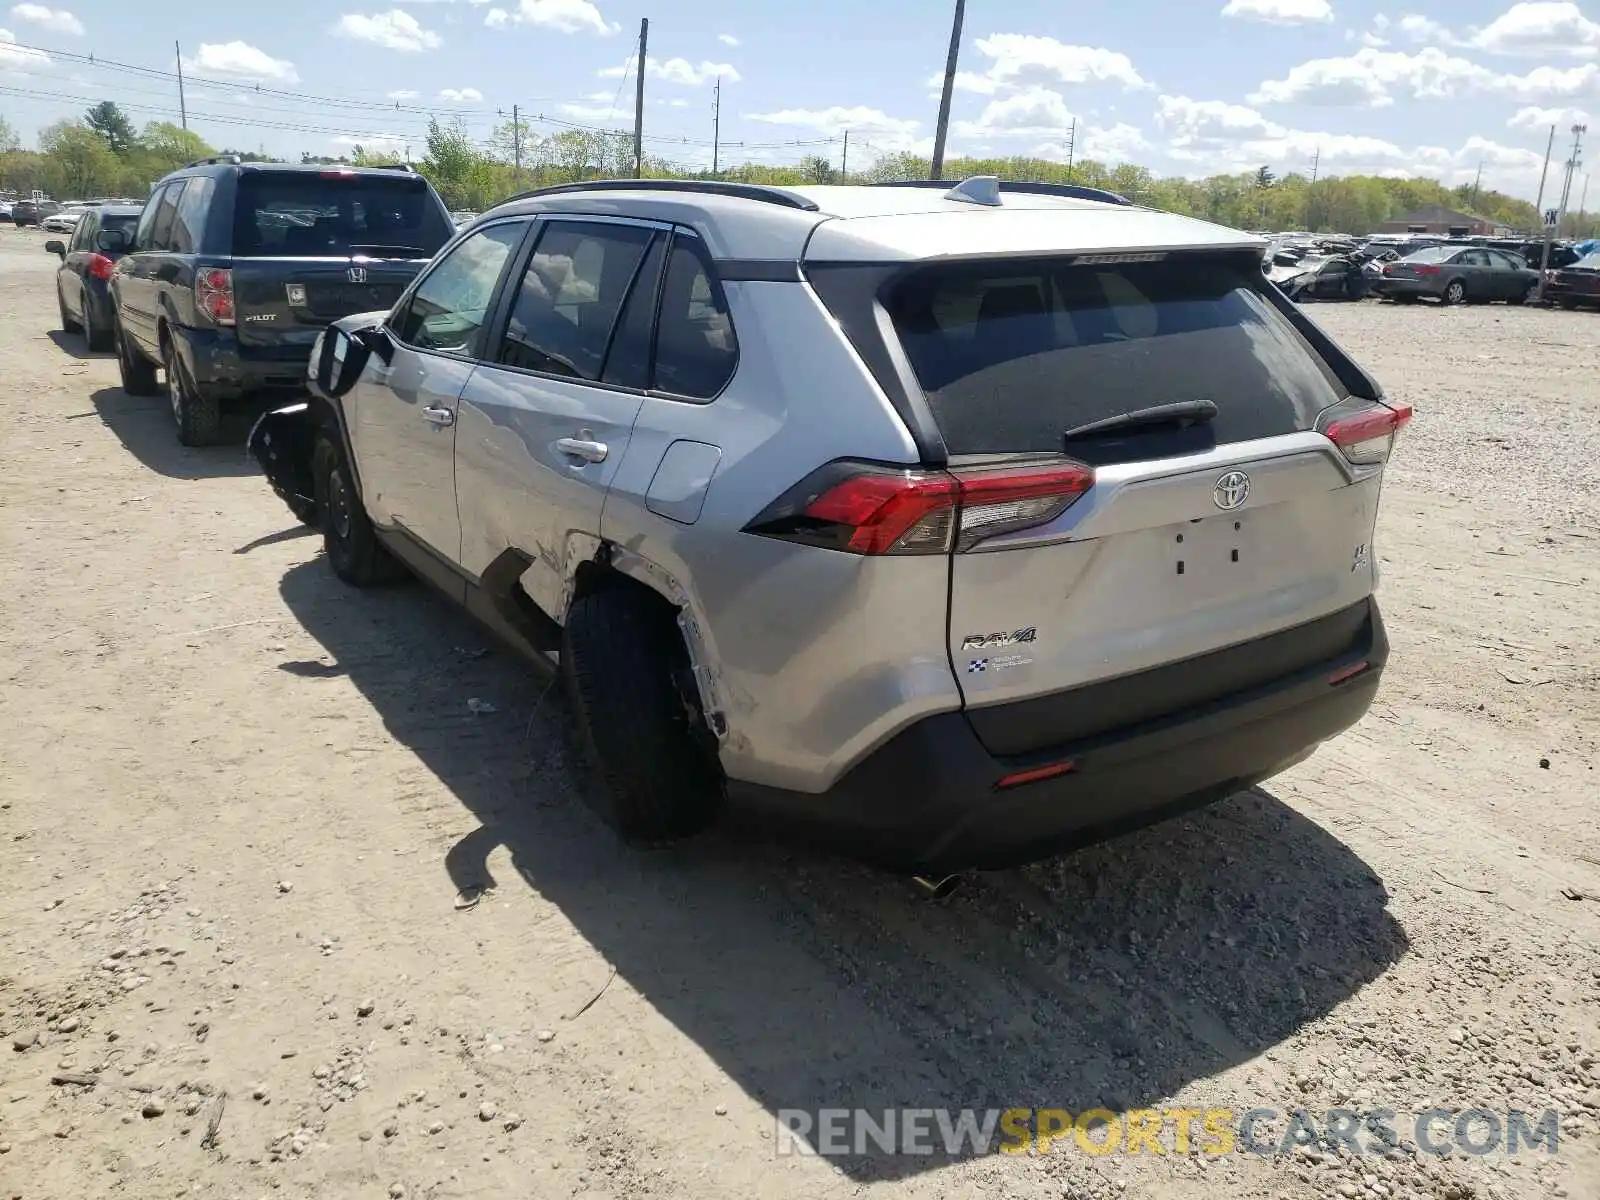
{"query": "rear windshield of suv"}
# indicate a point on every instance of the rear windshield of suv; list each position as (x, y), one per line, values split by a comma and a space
(305, 214)
(1014, 353)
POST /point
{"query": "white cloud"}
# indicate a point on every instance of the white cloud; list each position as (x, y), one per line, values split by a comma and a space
(1425, 29)
(676, 70)
(56, 20)
(1119, 143)
(1034, 112)
(589, 112)
(1540, 29)
(1214, 135)
(392, 30)
(564, 16)
(859, 119)
(1021, 60)
(1280, 12)
(727, 39)
(461, 95)
(239, 60)
(1373, 78)
(1539, 120)
(15, 57)
(380, 143)
(403, 94)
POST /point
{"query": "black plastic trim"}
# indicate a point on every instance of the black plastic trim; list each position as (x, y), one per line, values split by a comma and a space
(758, 270)
(1067, 191)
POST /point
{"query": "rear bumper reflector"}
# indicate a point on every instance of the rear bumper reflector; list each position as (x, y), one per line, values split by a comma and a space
(1020, 778)
(1348, 673)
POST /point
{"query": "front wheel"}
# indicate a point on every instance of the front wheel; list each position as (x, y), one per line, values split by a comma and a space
(627, 676)
(1454, 293)
(197, 415)
(348, 538)
(138, 372)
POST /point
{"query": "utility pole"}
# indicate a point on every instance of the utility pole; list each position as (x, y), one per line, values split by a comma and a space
(516, 141)
(1550, 231)
(183, 108)
(1311, 192)
(1072, 146)
(942, 129)
(844, 159)
(1538, 205)
(716, 126)
(638, 99)
(1477, 179)
(1583, 203)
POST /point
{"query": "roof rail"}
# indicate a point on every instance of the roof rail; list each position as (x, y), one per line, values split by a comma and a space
(710, 187)
(405, 168)
(965, 189)
(231, 159)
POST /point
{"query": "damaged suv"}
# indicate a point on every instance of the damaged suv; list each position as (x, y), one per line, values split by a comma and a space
(959, 525)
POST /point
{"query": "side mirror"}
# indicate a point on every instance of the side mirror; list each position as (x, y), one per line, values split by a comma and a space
(375, 340)
(112, 241)
(58, 248)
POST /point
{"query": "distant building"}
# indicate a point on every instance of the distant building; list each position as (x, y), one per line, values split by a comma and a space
(1439, 221)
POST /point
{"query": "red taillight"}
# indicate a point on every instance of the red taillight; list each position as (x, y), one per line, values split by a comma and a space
(1365, 430)
(213, 292)
(1425, 269)
(1346, 674)
(866, 509)
(1019, 778)
(100, 266)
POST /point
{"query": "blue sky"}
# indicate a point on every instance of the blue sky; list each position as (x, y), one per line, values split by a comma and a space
(1192, 87)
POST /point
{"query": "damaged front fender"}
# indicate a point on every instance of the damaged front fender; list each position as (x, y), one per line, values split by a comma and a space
(282, 441)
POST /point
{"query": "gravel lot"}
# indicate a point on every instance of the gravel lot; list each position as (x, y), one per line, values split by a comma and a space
(239, 803)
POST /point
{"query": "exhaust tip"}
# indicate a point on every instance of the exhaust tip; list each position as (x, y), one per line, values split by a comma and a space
(939, 887)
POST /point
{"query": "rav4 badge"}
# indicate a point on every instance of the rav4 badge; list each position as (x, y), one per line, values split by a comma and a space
(993, 641)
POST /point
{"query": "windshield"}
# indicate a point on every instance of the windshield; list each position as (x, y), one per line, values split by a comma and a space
(332, 215)
(1589, 262)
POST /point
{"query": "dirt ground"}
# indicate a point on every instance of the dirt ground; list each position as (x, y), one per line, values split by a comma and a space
(240, 800)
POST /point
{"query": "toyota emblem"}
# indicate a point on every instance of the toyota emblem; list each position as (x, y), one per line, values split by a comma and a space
(1232, 490)
(358, 274)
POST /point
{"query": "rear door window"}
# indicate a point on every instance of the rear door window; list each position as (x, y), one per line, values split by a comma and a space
(1014, 353)
(188, 227)
(695, 348)
(336, 214)
(166, 211)
(570, 296)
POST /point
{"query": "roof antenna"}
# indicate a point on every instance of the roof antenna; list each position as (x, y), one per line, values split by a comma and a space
(980, 189)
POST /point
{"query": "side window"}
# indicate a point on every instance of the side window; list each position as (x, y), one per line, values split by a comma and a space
(142, 236)
(1505, 262)
(451, 304)
(188, 227)
(1474, 258)
(570, 297)
(166, 211)
(83, 235)
(633, 344)
(696, 350)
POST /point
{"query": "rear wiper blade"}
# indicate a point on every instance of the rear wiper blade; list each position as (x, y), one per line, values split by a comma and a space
(1178, 416)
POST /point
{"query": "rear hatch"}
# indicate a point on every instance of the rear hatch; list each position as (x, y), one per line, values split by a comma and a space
(1093, 546)
(311, 247)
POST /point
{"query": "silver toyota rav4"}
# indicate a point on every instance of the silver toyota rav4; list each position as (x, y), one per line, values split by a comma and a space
(959, 525)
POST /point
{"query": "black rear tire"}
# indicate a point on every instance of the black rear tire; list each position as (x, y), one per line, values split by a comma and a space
(348, 538)
(197, 415)
(138, 372)
(627, 677)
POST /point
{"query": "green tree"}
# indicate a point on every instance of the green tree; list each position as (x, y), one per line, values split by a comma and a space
(9, 141)
(168, 147)
(81, 165)
(112, 124)
(456, 167)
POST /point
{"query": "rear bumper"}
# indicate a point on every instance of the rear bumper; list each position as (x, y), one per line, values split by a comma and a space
(218, 363)
(1385, 286)
(1557, 292)
(929, 800)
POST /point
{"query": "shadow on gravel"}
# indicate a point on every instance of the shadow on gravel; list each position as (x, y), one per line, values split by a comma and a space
(75, 345)
(1111, 977)
(143, 424)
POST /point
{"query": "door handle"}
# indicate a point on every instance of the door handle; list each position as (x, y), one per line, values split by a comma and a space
(588, 451)
(438, 416)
